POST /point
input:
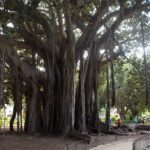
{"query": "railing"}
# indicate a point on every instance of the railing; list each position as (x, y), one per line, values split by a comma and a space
(142, 143)
(82, 145)
(85, 145)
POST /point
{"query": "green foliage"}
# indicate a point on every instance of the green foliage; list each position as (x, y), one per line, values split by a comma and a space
(145, 114)
(1, 122)
(130, 87)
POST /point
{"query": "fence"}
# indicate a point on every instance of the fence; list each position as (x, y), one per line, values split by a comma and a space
(82, 145)
(85, 145)
(142, 143)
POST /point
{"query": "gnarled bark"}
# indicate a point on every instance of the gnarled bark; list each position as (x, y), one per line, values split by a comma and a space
(2, 69)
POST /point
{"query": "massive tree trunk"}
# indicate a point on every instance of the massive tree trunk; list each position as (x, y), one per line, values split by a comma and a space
(80, 118)
(33, 115)
(68, 73)
(59, 86)
(17, 99)
(113, 91)
(49, 101)
(67, 96)
(91, 87)
(107, 120)
(11, 128)
(28, 95)
(146, 79)
(2, 69)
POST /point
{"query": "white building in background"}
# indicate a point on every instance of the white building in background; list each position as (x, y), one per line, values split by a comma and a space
(113, 112)
(8, 110)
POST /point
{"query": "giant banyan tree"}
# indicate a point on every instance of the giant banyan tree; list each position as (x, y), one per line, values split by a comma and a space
(44, 43)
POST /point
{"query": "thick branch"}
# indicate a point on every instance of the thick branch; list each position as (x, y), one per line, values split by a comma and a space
(27, 71)
(90, 31)
(128, 12)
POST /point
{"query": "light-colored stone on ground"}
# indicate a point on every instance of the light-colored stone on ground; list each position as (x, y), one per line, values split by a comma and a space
(121, 145)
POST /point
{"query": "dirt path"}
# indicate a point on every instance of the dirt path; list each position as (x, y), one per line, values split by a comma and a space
(23, 142)
(122, 145)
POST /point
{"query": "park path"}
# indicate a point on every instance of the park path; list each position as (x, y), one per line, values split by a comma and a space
(120, 145)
